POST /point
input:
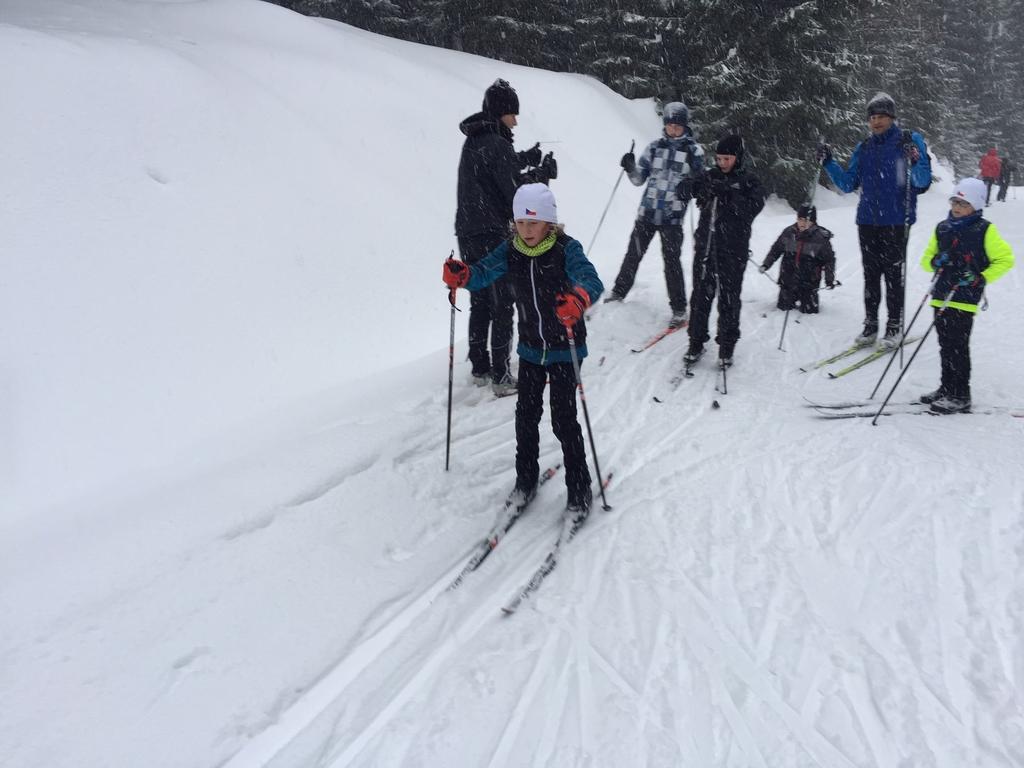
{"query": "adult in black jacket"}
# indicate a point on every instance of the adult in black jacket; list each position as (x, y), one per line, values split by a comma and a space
(489, 174)
(729, 198)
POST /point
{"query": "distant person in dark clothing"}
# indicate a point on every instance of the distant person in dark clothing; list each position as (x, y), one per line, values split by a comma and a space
(490, 171)
(1006, 171)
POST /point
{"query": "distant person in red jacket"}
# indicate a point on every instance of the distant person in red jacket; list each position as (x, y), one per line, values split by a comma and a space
(991, 169)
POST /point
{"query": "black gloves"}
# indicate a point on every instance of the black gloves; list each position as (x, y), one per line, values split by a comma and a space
(823, 153)
(685, 189)
(719, 187)
(531, 156)
(628, 162)
(542, 173)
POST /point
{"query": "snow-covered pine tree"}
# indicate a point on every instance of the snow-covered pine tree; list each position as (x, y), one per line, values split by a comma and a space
(781, 75)
(622, 48)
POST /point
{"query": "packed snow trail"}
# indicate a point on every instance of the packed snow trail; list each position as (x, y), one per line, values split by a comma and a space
(768, 590)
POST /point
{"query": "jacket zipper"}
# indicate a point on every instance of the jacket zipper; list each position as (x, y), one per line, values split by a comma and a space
(540, 320)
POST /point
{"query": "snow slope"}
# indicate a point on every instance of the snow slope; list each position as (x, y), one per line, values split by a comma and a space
(226, 529)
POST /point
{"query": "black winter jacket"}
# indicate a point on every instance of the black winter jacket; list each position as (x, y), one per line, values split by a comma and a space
(804, 256)
(489, 170)
(740, 197)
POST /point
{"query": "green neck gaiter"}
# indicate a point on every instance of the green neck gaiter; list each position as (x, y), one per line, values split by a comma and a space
(540, 248)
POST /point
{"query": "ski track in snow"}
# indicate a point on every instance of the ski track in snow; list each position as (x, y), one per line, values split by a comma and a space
(770, 616)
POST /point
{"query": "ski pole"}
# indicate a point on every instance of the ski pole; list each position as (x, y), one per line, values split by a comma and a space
(632, 146)
(784, 321)
(718, 283)
(586, 416)
(451, 373)
(945, 303)
(903, 269)
(751, 260)
(913, 320)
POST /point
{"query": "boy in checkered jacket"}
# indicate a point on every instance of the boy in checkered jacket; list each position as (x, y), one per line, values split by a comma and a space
(662, 165)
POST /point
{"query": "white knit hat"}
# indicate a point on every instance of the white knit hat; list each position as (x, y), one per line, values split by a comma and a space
(971, 191)
(536, 202)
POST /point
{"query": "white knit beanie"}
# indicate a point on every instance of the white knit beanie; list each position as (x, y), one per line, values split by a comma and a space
(536, 202)
(971, 191)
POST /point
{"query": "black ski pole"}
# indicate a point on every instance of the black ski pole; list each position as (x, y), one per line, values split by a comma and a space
(945, 303)
(632, 146)
(751, 260)
(903, 269)
(784, 321)
(586, 415)
(718, 283)
(909, 326)
(451, 374)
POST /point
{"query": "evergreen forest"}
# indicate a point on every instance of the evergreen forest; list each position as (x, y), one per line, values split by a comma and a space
(783, 73)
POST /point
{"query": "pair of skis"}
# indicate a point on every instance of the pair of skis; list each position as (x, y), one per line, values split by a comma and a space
(510, 514)
(873, 355)
(860, 409)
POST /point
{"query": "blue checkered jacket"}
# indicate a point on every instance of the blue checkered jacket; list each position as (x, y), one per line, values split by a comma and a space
(663, 165)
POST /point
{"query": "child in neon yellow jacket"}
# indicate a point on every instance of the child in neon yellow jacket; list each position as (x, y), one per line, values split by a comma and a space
(967, 252)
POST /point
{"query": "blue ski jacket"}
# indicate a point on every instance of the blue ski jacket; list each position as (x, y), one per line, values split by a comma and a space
(535, 281)
(878, 167)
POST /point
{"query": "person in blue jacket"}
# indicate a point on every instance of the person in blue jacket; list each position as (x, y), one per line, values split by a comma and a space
(890, 168)
(553, 283)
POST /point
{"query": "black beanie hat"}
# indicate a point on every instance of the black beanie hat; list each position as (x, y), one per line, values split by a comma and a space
(730, 145)
(807, 211)
(882, 104)
(500, 99)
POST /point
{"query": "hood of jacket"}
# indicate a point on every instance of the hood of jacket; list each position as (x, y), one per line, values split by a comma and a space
(481, 123)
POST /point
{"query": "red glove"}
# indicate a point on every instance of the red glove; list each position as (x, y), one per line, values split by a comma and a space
(570, 306)
(456, 273)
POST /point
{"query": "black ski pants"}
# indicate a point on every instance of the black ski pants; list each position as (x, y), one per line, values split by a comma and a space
(954, 329)
(561, 381)
(883, 253)
(1004, 184)
(490, 312)
(804, 296)
(671, 252)
(720, 273)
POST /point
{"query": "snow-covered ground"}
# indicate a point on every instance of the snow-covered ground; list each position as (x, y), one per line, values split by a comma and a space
(225, 528)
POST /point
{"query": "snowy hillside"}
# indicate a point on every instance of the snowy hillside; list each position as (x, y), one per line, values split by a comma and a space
(225, 528)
